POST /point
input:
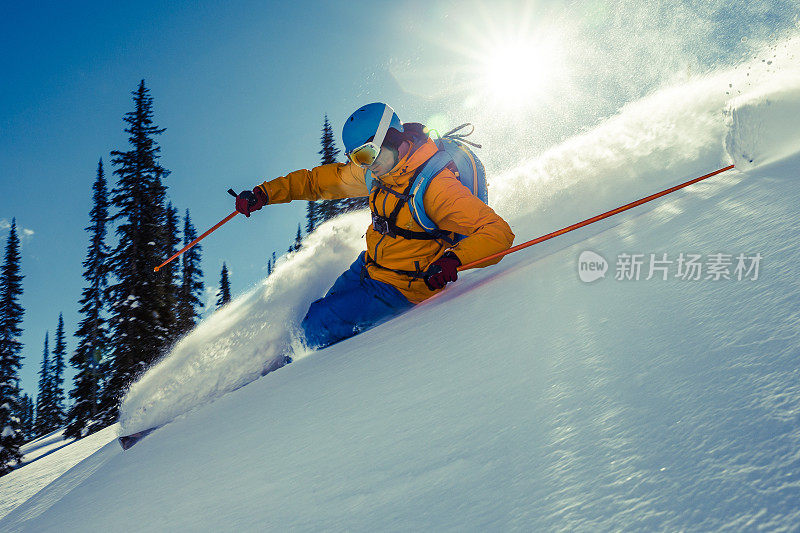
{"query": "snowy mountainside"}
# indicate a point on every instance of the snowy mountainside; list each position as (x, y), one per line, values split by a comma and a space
(43, 446)
(677, 133)
(45, 460)
(521, 397)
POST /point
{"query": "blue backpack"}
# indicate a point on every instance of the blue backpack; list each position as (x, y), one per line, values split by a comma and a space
(452, 148)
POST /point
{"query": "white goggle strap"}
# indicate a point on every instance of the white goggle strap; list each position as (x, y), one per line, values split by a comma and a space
(383, 127)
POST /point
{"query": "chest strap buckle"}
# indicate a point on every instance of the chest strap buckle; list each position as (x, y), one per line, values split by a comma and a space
(382, 225)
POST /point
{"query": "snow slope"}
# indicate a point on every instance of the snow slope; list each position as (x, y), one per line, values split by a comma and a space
(521, 397)
(44, 461)
(43, 446)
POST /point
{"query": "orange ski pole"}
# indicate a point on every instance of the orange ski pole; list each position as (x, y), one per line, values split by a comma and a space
(591, 220)
(204, 235)
(201, 237)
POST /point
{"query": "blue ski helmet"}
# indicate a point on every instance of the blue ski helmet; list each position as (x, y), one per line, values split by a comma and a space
(362, 125)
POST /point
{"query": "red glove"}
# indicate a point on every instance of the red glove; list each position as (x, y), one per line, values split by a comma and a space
(442, 271)
(249, 201)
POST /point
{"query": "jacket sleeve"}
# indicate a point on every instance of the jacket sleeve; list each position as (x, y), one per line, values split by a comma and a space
(452, 207)
(326, 182)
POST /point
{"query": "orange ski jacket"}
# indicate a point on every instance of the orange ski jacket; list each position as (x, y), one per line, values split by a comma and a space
(448, 203)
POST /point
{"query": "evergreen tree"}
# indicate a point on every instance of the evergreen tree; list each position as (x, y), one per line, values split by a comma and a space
(329, 153)
(312, 216)
(224, 293)
(298, 240)
(92, 330)
(26, 417)
(269, 267)
(11, 314)
(189, 298)
(172, 235)
(274, 261)
(141, 310)
(327, 209)
(30, 416)
(57, 375)
(172, 275)
(44, 400)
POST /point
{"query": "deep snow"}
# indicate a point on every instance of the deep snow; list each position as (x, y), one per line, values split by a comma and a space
(521, 397)
(45, 460)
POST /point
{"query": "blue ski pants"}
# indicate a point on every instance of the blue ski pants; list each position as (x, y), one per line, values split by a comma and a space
(353, 304)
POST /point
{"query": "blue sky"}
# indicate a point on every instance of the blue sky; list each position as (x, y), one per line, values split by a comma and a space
(242, 88)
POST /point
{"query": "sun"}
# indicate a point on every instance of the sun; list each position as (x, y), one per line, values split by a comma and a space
(497, 58)
(516, 73)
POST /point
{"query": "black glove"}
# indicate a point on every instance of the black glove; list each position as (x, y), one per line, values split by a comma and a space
(249, 201)
(442, 271)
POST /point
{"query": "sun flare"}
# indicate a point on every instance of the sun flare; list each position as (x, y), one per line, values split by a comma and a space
(516, 73)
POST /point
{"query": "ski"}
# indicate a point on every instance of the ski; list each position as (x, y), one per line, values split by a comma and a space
(127, 441)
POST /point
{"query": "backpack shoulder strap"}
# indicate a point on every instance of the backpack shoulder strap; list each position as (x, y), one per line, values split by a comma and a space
(430, 169)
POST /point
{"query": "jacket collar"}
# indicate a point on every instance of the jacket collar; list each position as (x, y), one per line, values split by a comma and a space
(417, 155)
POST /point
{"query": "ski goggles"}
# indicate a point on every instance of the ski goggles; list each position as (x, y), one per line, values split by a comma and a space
(366, 154)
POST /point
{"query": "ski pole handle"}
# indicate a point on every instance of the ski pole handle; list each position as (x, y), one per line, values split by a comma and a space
(251, 201)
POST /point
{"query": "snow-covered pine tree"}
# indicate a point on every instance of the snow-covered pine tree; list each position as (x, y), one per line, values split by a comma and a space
(224, 292)
(298, 240)
(329, 153)
(312, 210)
(57, 374)
(44, 399)
(172, 274)
(327, 209)
(25, 416)
(140, 298)
(191, 291)
(167, 281)
(11, 313)
(92, 331)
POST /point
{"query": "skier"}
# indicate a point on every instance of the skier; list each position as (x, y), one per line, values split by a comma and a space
(403, 265)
